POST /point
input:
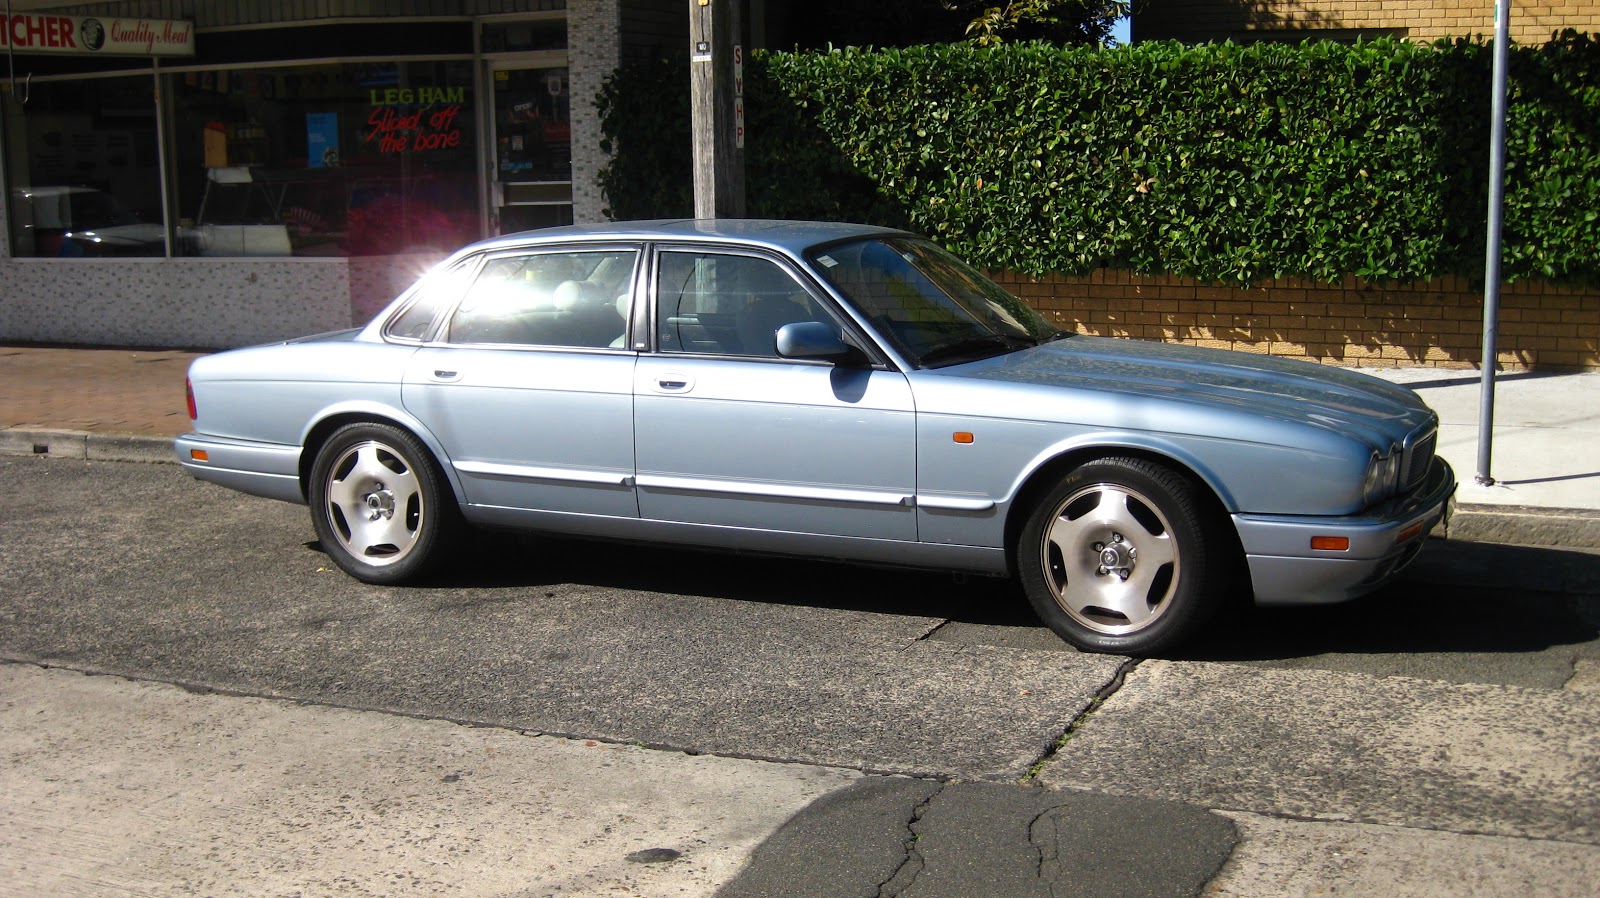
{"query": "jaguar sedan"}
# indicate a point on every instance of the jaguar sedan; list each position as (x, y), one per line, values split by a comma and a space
(831, 391)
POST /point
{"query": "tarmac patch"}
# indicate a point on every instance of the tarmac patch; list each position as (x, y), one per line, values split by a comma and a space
(910, 837)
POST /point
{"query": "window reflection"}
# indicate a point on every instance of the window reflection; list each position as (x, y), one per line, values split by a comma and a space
(84, 170)
(326, 160)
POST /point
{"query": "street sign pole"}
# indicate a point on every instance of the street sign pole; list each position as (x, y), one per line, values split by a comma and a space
(1491, 274)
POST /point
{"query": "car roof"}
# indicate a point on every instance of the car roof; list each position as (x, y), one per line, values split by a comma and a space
(793, 237)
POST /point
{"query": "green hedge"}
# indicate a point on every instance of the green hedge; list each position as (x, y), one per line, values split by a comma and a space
(792, 170)
(1227, 163)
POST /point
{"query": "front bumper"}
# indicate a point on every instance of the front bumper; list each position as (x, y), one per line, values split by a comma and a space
(1285, 570)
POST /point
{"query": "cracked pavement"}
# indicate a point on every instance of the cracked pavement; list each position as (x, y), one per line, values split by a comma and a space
(966, 839)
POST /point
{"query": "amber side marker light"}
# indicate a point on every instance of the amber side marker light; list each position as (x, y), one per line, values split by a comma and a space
(1331, 543)
(1409, 533)
(199, 455)
(961, 436)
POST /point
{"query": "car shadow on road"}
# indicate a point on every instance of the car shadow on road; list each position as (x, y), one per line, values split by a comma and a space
(1459, 598)
(496, 561)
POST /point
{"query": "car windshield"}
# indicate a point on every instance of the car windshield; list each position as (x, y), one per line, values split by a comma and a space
(937, 309)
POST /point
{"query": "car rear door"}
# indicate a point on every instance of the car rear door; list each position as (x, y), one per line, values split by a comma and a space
(529, 383)
(730, 434)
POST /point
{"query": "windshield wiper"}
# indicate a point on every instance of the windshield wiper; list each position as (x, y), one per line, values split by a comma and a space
(976, 347)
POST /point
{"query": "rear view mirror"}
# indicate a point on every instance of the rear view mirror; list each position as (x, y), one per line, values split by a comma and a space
(813, 340)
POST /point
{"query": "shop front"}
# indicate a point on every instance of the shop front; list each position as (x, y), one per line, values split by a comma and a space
(217, 182)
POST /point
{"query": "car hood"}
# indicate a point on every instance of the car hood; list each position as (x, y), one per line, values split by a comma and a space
(1214, 381)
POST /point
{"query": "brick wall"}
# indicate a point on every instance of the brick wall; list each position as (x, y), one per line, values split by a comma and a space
(1434, 324)
(1197, 21)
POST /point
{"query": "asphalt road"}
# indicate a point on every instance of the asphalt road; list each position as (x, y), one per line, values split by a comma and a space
(1459, 703)
(139, 569)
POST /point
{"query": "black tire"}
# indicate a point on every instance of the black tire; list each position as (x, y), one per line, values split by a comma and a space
(381, 508)
(1117, 558)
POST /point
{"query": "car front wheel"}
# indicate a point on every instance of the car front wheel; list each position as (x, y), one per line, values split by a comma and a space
(1116, 558)
(381, 509)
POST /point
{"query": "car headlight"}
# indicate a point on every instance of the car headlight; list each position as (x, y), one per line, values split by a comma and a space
(1383, 476)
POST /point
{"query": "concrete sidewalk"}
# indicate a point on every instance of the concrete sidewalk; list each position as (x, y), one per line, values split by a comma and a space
(113, 788)
(127, 404)
(1544, 458)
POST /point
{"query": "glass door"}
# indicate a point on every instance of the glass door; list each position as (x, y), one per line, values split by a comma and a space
(531, 174)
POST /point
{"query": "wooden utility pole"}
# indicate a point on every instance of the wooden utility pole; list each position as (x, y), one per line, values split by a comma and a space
(716, 88)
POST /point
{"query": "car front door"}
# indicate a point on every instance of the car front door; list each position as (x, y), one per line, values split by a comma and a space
(529, 384)
(728, 433)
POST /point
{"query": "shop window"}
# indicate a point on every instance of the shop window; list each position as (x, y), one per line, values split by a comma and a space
(533, 127)
(84, 169)
(533, 147)
(326, 160)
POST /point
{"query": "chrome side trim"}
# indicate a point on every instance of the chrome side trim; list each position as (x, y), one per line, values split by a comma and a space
(954, 503)
(533, 472)
(773, 490)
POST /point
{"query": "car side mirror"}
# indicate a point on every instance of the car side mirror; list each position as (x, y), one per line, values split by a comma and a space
(814, 340)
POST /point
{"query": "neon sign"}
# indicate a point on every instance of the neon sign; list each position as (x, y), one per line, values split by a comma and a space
(414, 119)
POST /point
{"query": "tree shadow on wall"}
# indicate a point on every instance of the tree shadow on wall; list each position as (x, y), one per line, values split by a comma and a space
(1353, 322)
(1241, 21)
(792, 169)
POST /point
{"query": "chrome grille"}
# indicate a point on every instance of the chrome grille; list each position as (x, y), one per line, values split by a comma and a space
(1419, 457)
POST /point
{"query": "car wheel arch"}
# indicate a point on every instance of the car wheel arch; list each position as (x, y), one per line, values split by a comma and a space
(324, 428)
(1045, 475)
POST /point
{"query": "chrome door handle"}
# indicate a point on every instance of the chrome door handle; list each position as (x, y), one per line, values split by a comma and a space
(673, 383)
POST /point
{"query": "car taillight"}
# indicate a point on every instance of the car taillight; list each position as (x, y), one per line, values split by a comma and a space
(188, 395)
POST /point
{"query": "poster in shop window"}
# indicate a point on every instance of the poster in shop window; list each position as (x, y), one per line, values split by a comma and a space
(322, 139)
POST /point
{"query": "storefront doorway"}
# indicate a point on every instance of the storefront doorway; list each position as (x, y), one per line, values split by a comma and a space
(531, 151)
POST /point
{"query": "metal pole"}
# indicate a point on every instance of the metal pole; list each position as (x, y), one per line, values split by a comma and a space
(1491, 272)
(164, 170)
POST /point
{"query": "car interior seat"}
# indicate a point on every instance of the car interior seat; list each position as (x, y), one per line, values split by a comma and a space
(587, 314)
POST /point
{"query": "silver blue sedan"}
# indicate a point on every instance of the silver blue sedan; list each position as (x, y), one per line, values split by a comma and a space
(826, 390)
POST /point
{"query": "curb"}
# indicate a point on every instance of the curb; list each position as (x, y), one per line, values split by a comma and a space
(1522, 525)
(88, 445)
(1564, 528)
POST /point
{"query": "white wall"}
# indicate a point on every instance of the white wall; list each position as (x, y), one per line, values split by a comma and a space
(184, 303)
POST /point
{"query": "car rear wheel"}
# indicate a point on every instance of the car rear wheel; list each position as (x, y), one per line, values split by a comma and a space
(1116, 558)
(381, 508)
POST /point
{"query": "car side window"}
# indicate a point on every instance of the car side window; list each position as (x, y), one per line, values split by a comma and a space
(577, 299)
(727, 304)
(435, 291)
